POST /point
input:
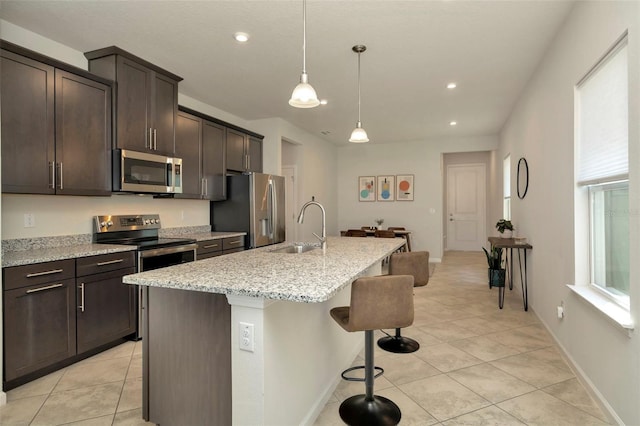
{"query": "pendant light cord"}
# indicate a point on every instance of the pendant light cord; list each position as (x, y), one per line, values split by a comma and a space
(304, 36)
(358, 88)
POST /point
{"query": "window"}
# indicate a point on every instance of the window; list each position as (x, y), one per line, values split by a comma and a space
(602, 178)
(506, 185)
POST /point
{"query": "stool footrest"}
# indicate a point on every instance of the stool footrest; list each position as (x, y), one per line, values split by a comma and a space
(358, 379)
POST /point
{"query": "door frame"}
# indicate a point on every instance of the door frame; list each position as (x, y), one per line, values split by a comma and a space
(445, 210)
(291, 200)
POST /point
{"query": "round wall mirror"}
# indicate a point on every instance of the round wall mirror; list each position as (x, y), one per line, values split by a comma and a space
(522, 178)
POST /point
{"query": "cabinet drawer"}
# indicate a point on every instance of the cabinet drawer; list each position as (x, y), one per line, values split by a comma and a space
(209, 246)
(103, 263)
(232, 242)
(38, 273)
(207, 255)
(233, 250)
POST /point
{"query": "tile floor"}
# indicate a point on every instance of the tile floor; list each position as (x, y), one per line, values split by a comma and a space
(477, 365)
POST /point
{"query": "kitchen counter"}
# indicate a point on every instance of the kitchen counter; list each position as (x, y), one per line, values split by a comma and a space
(310, 277)
(48, 254)
(228, 341)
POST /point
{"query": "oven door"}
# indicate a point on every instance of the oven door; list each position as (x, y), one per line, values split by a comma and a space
(160, 258)
(165, 256)
(143, 172)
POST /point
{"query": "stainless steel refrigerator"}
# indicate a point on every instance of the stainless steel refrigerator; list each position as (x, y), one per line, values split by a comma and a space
(255, 205)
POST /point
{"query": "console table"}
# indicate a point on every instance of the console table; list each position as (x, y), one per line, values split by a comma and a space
(510, 244)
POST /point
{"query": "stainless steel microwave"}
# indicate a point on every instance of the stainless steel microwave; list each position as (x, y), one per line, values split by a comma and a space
(141, 172)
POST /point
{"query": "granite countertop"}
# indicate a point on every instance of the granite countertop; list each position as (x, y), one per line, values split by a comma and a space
(203, 236)
(38, 255)
(309, 277)
(27, 251)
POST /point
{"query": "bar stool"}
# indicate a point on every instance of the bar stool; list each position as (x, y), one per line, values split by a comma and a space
(415, 263)
(376, 303)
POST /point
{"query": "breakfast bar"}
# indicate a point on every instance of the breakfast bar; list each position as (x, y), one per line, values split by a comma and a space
(246, 339)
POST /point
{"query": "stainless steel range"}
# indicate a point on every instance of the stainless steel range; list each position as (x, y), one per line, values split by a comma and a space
(153, 252)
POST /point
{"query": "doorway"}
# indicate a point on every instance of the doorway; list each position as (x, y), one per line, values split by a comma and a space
(465, 215)
(290, 167)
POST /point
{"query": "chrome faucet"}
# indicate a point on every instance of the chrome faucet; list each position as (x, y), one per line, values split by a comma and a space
(323, 238)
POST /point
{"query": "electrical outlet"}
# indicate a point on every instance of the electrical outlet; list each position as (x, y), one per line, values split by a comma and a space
(246, 337)
(29, 220)
(561, 310)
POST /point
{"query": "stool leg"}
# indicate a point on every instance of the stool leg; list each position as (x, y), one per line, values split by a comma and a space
(369, 409)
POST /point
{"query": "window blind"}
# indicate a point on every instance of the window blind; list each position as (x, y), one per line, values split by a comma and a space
(602, 120)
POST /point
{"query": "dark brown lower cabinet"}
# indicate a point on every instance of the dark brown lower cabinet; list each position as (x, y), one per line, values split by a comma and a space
(39, 326)
(106, 309)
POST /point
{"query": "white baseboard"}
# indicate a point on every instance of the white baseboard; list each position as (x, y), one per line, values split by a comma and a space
(595, 394)
(3, 398)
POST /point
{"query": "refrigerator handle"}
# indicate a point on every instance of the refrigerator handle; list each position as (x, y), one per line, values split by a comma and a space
(274, 210)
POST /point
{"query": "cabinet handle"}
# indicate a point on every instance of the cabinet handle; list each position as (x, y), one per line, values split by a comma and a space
(109, 262)
(39, 274)
(35, 290)
(155, 139)
(60, 181)
(206, 187)
(210, 246)
(235, 242)
(52, 176)
(81, 307)
(248, 162)
(147, 141)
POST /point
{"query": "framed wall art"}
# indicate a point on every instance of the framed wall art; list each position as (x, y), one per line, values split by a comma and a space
(366, 188)
(404, 188)
(386, 188)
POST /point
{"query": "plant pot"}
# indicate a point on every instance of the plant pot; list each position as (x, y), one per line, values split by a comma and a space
(496, 277)
(508, 233)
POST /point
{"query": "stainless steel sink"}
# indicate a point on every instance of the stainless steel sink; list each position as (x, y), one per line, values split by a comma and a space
(294, 249)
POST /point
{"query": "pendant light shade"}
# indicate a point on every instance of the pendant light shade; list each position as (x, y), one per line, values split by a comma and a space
(359, 135)
(304, 96)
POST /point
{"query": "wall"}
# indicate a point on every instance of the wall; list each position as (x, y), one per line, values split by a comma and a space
(541, 130)
(423, 159)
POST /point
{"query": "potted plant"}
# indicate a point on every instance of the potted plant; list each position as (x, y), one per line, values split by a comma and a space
(496, 271)
(505, 228)
(379, 222)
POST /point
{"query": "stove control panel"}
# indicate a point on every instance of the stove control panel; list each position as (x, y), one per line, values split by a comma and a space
(115, 223)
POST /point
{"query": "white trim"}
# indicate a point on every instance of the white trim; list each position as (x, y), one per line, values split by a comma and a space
(606, 408)
(3, 398)
(616, 314)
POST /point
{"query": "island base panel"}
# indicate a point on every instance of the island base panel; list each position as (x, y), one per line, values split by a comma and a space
(187, 361)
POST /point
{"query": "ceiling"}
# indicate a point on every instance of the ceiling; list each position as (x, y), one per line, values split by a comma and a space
(414, 48)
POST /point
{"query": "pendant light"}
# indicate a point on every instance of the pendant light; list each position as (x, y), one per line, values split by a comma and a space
(359, 135)
(304, 96)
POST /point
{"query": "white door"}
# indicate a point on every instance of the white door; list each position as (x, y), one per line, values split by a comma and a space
(466, 223)
(290, 202)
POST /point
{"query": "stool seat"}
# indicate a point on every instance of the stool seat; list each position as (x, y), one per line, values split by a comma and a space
(376, 302)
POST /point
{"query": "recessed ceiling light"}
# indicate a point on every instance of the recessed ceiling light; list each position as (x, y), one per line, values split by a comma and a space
(452, 86)
(323, 102)
(453, 123)
(241, 37)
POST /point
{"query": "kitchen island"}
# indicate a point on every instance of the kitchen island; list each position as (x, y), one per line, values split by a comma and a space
(194, 369)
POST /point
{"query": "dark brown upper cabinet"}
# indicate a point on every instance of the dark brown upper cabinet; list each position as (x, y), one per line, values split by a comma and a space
(56, 126)
(201, 145)
(244, 152)
(147, 100)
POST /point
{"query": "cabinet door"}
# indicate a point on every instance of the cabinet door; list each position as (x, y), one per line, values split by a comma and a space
(188, 147)
(27, 125)
(106, 309)
(214, 161)
(83, 136)
(254, 151)
(134, 105)
(165, 111)
(39, 326)
(236, 159)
